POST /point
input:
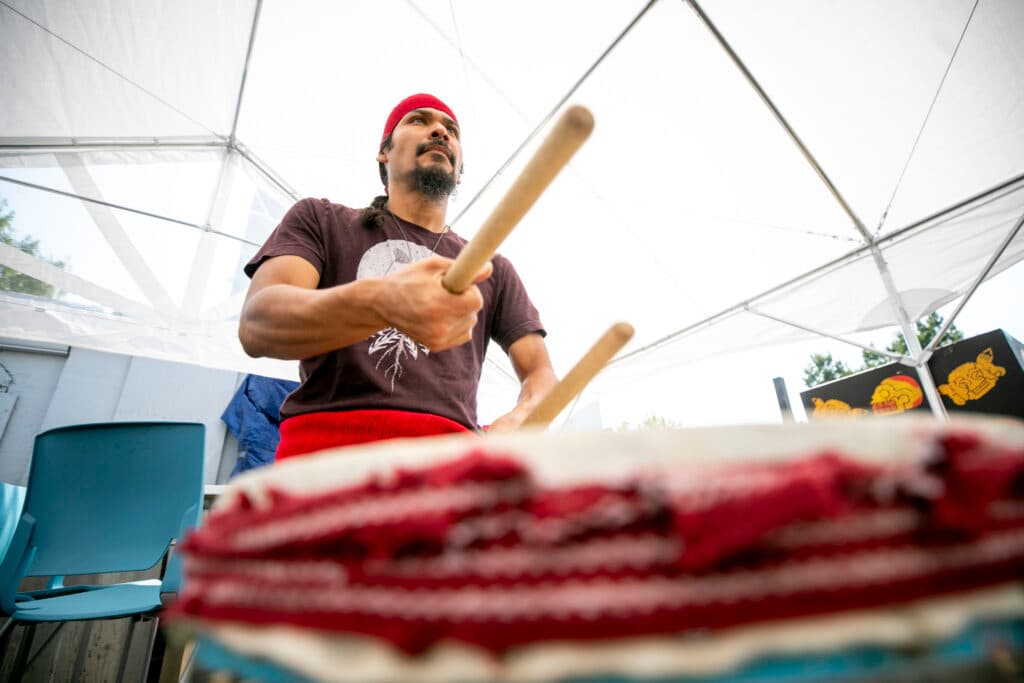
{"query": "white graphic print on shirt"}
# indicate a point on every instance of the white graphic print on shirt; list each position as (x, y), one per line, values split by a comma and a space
(379, 260)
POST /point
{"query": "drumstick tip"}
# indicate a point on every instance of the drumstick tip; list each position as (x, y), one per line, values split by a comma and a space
(579, 118)
(623, 330)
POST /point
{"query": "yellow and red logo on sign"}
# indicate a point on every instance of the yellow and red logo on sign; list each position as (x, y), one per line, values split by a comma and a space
(896, 394)
(971, 381)
(833, 407)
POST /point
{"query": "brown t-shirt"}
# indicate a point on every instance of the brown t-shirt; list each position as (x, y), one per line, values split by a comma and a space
(388, 369)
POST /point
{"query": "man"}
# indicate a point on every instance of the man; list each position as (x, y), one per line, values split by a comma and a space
(386, 351)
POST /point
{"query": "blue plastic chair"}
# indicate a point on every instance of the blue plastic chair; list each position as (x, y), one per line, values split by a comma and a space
(101, 498)
(11, 498)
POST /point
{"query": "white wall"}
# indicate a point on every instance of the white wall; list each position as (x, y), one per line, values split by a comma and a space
(52, 390)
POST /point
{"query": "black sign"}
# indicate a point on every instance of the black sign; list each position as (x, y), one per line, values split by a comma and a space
(983, 374)
(887, 390)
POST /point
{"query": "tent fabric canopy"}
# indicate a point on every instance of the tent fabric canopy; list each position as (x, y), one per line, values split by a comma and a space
(759, 172)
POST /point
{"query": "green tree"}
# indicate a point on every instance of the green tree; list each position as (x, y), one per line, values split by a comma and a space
(659, 422)
(10, 279)
(652, 422)
(926, 331)
(823, 368)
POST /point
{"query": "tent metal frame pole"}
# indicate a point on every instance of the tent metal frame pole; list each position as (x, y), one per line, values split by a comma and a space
(121, 207)
(977, 283)
(881, 352)
(92, 200)
(554, 110)
(215, 210)
(896, 301)
(265, 170)
(780, 118)
(860, 251)
(199, 274)
(245, 72)
(963, 204)
(924, 373)
(909, 333)
(81, 144)
(504, 373)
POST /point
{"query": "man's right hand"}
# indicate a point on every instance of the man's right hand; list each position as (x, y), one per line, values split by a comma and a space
(286, 316)
(415, 301)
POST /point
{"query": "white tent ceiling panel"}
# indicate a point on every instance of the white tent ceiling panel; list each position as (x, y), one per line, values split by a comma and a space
(558, 41)
(670, 100)
(212, 345)
(605, 214)
(318, 127)
(855, 80)
(163, 68)
(952, 254)
(930, 265)
(974, 138)
(834, 300)
(177, 184)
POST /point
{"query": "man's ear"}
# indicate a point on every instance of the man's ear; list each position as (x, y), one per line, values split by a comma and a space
(382, 157)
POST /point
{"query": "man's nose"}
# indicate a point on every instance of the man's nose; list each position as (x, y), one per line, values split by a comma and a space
(439, 131)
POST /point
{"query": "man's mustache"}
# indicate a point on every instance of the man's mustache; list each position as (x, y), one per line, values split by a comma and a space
(428, 146)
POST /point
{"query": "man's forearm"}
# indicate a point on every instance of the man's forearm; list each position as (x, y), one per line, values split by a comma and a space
(535, 387)
(293, 323)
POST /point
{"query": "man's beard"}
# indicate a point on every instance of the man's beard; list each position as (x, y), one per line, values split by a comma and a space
(432, 182)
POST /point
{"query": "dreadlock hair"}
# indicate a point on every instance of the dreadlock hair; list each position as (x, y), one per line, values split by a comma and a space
(373, 215)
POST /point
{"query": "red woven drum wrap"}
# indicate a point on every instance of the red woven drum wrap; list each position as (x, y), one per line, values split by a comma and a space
(473, 549)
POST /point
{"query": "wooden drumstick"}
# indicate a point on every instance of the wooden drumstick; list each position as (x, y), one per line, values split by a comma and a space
(568, 134)
(581, 374)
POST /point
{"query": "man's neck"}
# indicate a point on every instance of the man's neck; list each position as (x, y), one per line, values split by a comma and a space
(417, 209)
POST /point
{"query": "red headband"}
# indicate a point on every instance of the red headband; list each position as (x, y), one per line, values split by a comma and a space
(418, 101)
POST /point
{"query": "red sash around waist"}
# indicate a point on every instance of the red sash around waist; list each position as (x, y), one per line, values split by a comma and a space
(314, 432)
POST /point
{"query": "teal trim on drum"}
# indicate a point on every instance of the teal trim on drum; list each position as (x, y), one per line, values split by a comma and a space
(213, 657)
(969, 656)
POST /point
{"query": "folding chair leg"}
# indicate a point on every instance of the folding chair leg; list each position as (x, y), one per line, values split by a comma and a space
(151, 645)
(21, 658)
(126, 649)
(53, 634)
(5, 637)
(83, 650)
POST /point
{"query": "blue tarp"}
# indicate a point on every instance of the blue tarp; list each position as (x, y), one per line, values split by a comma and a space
(253, 416)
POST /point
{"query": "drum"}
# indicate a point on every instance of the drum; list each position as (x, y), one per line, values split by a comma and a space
(791, 552)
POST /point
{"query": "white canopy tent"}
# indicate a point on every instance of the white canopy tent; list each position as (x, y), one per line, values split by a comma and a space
(760, 172)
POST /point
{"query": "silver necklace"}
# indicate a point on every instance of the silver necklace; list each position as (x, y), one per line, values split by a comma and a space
(408, 249)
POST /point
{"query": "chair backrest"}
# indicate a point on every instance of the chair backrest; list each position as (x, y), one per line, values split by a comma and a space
(110, 497)
(11, 498)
